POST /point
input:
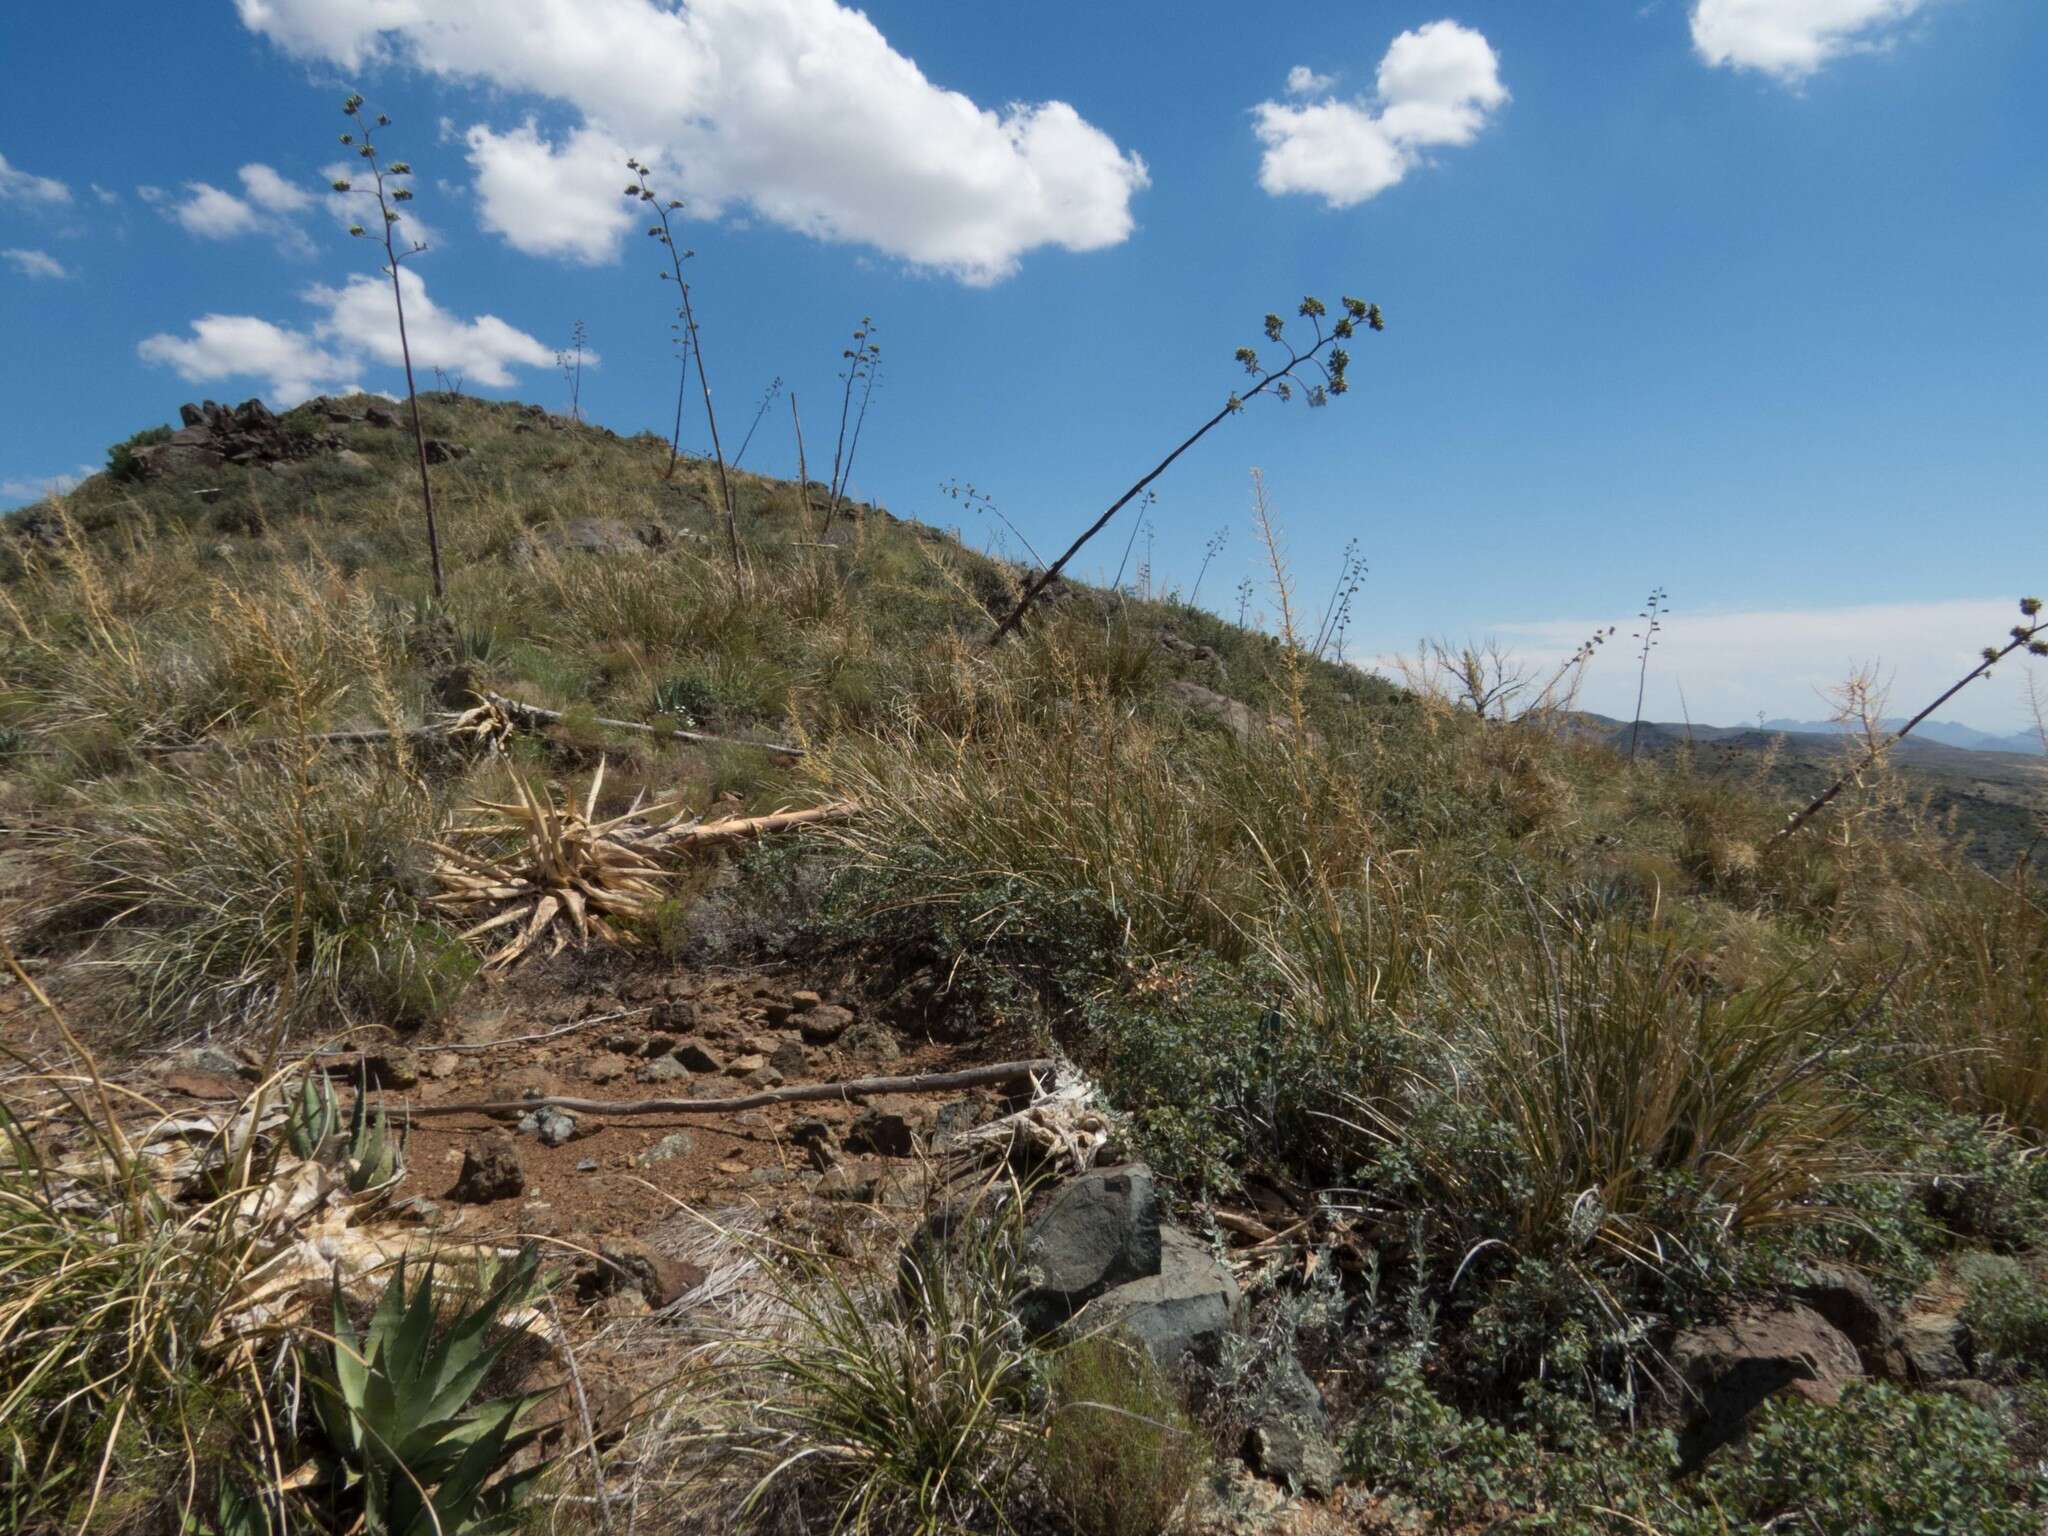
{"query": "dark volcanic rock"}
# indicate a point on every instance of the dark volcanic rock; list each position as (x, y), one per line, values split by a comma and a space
(490, 1171)
(1100, 1230)
(1733, 1367)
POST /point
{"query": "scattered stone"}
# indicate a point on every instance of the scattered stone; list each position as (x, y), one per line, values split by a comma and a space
(377, 416)
(789, 1059)
(490, 1171)
(698, 1056)
(439, 452)
(1290, 1442)
(741, 1066)
(1100, 1230)
(1732, 1367)
(663, 1069)
(770, 1176)
(443, 1065)
(1181, 1314)
(821, 1026)
(870, 1043)
(804, 1001)
(814, 1136)
(881, 1131)
(732, 1169)
(674, 1145)
(558, 1128)
(779, 1013)
(604, 1069)
(627, 1262)
(392, 1066)
(847, 1181)
(763, 1077)
(1937, 1346)
(587, 1165)
(627, 1043)
(208, 1058)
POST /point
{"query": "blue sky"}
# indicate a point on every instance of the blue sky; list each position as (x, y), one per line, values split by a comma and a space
(1742, 297)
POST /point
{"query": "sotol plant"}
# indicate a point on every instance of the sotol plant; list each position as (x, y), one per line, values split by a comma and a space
(1318, 371)
(663, 231)
(385, 177)
(1652, 620)
(863, 358)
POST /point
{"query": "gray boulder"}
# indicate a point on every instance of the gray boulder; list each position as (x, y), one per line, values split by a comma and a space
(1100, 1230)
(1180, 1315)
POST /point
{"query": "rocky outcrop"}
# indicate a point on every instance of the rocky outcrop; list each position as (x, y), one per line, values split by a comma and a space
(212, 435)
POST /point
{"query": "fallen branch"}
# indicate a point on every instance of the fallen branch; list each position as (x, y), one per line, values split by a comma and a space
(756, 826)
(857, 1088)
(534, 714)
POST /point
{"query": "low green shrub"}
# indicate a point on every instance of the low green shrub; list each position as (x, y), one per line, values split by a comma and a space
(122, 463)
(1119, 1456)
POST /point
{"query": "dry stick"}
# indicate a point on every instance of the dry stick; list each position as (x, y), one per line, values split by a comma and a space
(1231, 407)
(2022, 637)
(604, 1501)
(857, 1088)
(533, 712)
(803, 473)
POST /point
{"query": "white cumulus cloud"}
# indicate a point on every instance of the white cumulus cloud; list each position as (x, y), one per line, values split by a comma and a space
(291, 363)
(267, 189)
(35, 263)
(359, 319)
(355, 327)
(553, 200)
(1303, 81)
(18, 186)
(1436, 87)
(799, 110)
(1791, 39)
(211, 214)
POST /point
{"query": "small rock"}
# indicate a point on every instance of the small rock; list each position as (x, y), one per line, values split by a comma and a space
(663, 1069)
(208, 1058)
(881, 1131)
(870, 1042)
(438, 452)
(770, 1176)
(804, 1001)
(377, 416)
(789, 1059)
(673, 1015)
(604, 1069)
(392, 1066)
(699, 1056)
(763, 1077)
(814, 1136)
(740, 1066)
(443, 1065)
(960, 1115)
(1937, 1346)
(821, 1026)
(779, 1013)
(587, 1165)
(628, 1043)
(627, 1261)
(1732, 1367)
(557, 1128)
(1298, 1459)
(675, 1144)
(490, 1171)
(847, 1181)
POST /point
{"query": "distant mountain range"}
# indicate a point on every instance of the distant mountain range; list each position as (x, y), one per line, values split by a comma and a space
(1949, 733)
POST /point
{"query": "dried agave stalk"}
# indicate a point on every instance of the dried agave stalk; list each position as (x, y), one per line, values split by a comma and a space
(485, 725)
(566, 875)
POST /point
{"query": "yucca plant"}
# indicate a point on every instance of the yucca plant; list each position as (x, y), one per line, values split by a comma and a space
(312, 1116)
(413, 1453)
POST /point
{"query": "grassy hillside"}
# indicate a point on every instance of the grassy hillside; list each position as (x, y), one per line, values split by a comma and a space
(1524, 1058)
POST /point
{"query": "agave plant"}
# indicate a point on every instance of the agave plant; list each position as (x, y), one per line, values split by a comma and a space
(375, 1158)
(313, 1118)
(398, 1414)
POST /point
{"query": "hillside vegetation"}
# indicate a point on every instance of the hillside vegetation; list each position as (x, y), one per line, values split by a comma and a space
(1501, 1070)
